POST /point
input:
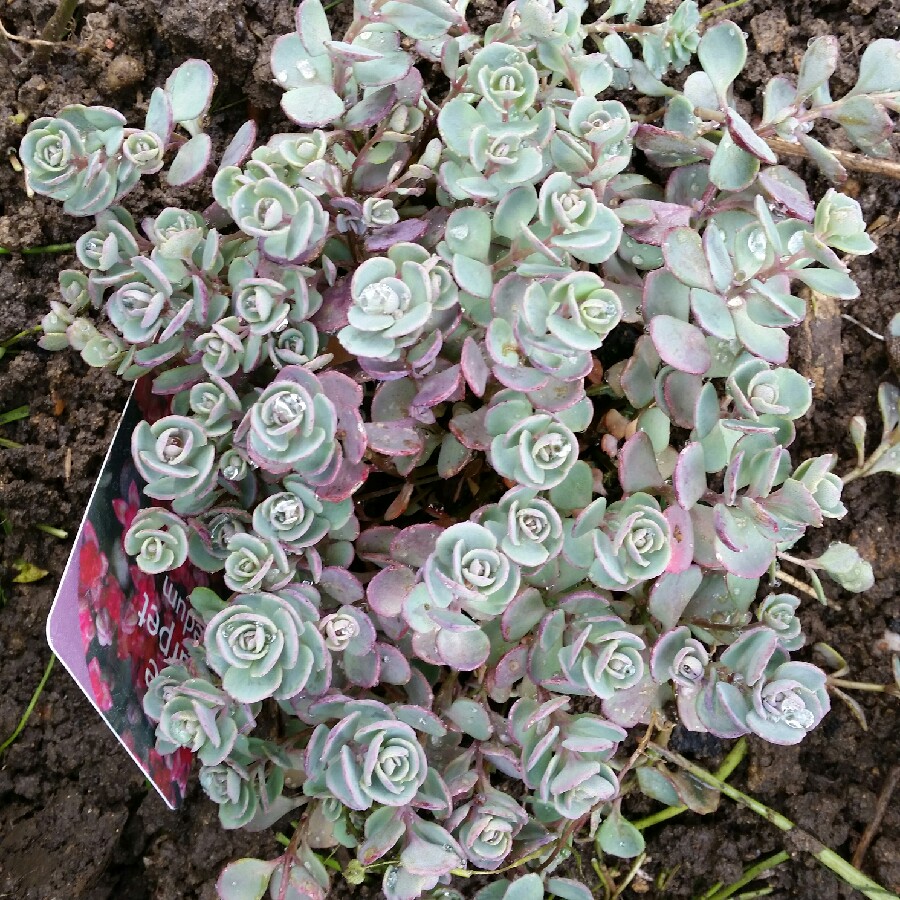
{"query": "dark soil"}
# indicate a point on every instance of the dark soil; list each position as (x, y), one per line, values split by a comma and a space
(76, 818)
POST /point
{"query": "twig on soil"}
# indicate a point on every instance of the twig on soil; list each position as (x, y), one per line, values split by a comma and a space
(865, 328)
(53, 532)
(31, 705)
(801, 839)
(31, 42)
(884, 799)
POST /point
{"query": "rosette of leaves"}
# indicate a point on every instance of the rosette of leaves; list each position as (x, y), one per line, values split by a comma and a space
(242, 788)
(176, 459)
(816, 476)
(291, 425)
(191, 713)
(265, 646)
(573, 220)
(633, 544)
(368, 757)
(586, 655)
(468, 569)
(211, 533)
(570, 774)
(254, 563)
(390, 306)
(528, 527)
(157, 539)
(681, 660)
(111, 243)
(788, 703)
(138, 308)
(779, 612)
(759, 390)
(289, 221)
(298, 519)
(504, 77)
(53, 154)
(488, 828)
(176, 233)
(537, 449)
(214, 403)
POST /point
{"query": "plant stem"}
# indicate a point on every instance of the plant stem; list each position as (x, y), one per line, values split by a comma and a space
(828, 858)
(31, 251)
(729, 764)
(721, 9)
(31, 705)
(749, 875)
(56, 28)
(864, 686)
(854, 162)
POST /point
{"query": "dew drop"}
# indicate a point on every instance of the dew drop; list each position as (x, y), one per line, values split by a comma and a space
(460, 232)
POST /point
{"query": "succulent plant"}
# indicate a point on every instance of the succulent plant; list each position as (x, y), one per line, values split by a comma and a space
(555, 337)
(157, 540)
(265, 646)
(390, 306)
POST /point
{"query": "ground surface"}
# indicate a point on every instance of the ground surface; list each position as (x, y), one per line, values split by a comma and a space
(76, 819)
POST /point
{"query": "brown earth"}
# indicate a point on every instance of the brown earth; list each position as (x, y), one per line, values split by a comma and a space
(76, 818)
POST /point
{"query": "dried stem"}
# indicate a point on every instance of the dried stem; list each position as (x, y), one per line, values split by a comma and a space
(884, 799)
(828, 858)
(854, 162)
(31, 42)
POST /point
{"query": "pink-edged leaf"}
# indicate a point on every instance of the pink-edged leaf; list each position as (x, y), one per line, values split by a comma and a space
(393, 438)
(664, 217)
(747, 139)
(382, 831)
(681, 529)
(690, 475)
(388, 590)
(671, 594)
(346, 395)
(510, 669)
(335, 304)
(191, 160)
(788, 190)
(680, 344)
(637, 464)
(438, 387)
(686, 259)
(385, 237)
(241, 145)
(363, 671)
(470, 431)
(413, 545)
(341, 585)
(474, 369)
(522, 614)
(246, 879)
(463, 650)
(348, 479)
(374, 544)
(394, 665)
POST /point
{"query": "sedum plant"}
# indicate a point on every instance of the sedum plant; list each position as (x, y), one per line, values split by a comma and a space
(480, 415)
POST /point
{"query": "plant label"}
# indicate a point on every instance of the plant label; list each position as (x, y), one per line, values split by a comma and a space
(113, 626)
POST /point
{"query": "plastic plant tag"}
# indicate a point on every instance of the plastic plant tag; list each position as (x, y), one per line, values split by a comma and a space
(113, 626)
